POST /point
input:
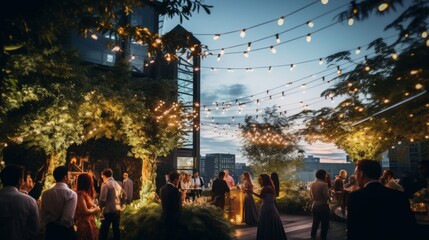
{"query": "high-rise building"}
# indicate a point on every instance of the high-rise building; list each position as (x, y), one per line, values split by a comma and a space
(214, 163)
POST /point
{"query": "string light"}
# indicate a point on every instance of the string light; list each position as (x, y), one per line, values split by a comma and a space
(308, 38)
(277, 38)
(292, 66)
(321, 61)
(222, 51)
(394, 56)
(216, 36)
(351, 21)
(427, 43)
(383, 6)
(249, 46)
(94, 36)
(243, 33)
(324, 2)
(218, 57)
(357, 51)
(281, 21)
(273, 50)
(424, 34)
(338, 70)
(116, 48)
(310, 24)
(246, 54)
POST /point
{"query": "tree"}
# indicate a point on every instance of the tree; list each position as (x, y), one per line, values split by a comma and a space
(270, 144)
(385, 95)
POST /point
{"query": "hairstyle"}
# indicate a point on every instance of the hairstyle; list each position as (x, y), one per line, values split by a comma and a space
(173, 176)
(247, 178)
(221, 174)
(370, 168)
(389, 173)
(342, 171)
(60, 172)
(321, 174)
(125, 172)
(85, 183)
(107, 172)
(276, 182)
(266, 180)
(12, 175)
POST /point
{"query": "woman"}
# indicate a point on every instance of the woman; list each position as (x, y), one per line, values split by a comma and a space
(276, 183)
(185, 186)
(269, 223)
(250, 213)
(85, 210)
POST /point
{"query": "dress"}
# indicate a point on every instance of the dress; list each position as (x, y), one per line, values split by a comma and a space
(270, 225)
(250, 213)
(85, 222)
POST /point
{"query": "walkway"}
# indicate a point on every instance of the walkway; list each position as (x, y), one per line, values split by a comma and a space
(297, 227)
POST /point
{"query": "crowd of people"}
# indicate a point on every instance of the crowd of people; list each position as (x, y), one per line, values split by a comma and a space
(62, 212)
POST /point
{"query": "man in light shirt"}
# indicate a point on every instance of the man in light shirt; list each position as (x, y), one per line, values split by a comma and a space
(127, 185)
(19, 213)
(229, 180)
(59, 207)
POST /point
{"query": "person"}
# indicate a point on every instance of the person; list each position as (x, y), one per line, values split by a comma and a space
(339, 184)
(375, 211)
(250, 213)
(270, 225)
(276, 183)
(185, 185)
(85, 210)
(171, 199)
(197, 184)
(219, 189)
(59, 207)
(328, 180)
(229, 180)
(36, 190)
(110, 195)
(19, 218)
(127, 185)
(319, 193)
(28, 184)
(391, 182)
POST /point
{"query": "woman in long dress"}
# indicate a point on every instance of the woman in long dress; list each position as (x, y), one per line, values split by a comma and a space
(250, 213)
(270, 225)
(85, 210)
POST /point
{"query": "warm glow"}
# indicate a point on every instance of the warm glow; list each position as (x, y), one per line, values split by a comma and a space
(419, 86)
(324, 1)
(424, 34)
(394, 56)
(351, 21)
(383, 6)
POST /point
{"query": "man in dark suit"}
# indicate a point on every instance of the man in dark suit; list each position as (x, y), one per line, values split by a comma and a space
(219, 189)
(375, 211)
(127, 185)
(171, 199)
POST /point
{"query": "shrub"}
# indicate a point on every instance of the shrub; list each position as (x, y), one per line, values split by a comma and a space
(195, 222)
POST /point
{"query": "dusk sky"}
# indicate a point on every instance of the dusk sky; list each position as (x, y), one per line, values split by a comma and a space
(263, 78)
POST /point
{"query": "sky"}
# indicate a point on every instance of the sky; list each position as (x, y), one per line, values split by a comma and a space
(263, 78)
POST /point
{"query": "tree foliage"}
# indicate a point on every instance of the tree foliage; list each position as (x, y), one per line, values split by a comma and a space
(270, 144)
(385, 96)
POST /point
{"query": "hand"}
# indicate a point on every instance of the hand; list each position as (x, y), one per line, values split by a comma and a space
(97, 209)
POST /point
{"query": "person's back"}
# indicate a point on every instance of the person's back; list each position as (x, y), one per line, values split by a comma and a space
(19, 213)
(219, 189)
(375, 211)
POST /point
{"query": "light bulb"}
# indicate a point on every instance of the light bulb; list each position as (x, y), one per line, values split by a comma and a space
(94, 36)
(424, 34)
(427, 43)
(292, 66)
(324, 1)
(281, 21)
(351, 21)
(321, 61)
(216, 36)
(248, 46)
(383, 6)
(273, 50)
(394, 56)
(308, 38)
(277, 38)
(218, 57)
(243, 33)
(246, 54)
(310, 24)
(222, 51)
(357, 51)
(116, 48)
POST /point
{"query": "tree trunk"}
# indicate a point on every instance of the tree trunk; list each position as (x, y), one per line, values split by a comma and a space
(55, 160)
(148, 189)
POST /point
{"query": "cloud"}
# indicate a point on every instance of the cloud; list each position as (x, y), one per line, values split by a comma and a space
(228, 92)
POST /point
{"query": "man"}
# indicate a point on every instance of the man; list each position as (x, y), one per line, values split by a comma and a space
(171, 199)
(127, 185)
(229, 180)
(375, 211)
(59, 207)
(339, 184)
(19, 213)
(319, 193)
(197, 185)
(219, 189)
(388, 175)
(110, 195)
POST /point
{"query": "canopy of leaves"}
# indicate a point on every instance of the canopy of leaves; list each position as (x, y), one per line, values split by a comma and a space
(270, 144)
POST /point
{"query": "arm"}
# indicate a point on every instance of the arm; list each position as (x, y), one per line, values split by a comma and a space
(69, 210)
(81, 204)
(103, 195)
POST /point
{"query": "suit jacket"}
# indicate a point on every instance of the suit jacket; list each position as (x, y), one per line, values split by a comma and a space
(128, 188)
(171, 202)
(378, 212)
(219, 188)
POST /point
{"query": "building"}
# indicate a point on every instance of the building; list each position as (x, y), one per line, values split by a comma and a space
(97, 48)
(404, 158)
(312, 164)
(212, 164)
